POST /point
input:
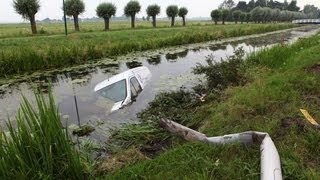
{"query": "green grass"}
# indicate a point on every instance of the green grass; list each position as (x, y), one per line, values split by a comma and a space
(38, 147)
(197, 161)
(29, 54)
(45, 29)
(279, 82)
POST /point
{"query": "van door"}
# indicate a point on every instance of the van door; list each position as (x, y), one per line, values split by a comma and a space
(135, 88)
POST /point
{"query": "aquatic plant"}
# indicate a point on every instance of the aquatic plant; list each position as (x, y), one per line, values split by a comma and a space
(223, 73)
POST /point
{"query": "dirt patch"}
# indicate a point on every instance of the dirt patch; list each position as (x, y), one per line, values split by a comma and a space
(120, 160)
(155, 149)
(313, 99)
(315, 68)
(289, 122)
(286, 124)
(312, 163)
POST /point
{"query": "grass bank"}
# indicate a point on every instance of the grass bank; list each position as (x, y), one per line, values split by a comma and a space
(29, 54)
(265, 94)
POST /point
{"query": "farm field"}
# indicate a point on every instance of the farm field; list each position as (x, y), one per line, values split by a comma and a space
(23, 29)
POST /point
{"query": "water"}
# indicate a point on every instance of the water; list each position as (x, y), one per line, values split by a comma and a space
(170, 71)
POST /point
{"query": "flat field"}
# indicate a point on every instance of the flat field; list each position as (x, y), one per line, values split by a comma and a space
(23, 29)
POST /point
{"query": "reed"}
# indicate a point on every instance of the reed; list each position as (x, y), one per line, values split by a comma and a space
(38, 147)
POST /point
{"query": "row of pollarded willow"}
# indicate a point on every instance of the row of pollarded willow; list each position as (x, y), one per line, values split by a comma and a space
(107, 10)
(222, 15)
(257, 15)
(29, 8)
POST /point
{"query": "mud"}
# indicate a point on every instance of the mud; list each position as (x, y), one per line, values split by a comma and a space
(315, 68)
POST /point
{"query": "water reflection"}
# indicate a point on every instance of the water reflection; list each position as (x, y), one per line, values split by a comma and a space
(171, 57)
(218, 47)
(133, 64)
(155, 60)
(183, 54)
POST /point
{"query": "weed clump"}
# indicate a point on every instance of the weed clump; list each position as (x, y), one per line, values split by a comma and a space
(148, 136)
(225, 73)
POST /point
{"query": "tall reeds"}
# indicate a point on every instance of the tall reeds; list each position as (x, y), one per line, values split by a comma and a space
(38, 147)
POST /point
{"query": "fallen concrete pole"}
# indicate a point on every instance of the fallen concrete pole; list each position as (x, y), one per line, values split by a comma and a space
(270, 160)
(310, 118)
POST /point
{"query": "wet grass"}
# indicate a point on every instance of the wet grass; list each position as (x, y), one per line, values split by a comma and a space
(29, 54)
(278, 82)
(38, 147)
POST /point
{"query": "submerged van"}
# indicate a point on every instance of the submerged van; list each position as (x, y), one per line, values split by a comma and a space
(125, 87)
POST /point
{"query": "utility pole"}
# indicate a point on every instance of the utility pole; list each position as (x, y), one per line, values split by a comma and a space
(65, 19)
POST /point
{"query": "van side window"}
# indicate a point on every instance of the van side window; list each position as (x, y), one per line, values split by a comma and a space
(135, 87)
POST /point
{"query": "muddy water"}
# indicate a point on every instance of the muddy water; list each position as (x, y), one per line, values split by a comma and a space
(171, 69)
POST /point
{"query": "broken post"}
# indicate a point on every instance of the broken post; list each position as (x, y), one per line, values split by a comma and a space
(270, 160)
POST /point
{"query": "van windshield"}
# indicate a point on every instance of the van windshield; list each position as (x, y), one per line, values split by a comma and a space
(116, 92)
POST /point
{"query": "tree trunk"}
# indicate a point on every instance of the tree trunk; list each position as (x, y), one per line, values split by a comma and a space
(33, 25)
(106, 24)
(133, 18)
(184, 21)
(172, 21)
(223, 21)
(76, 23)
(236, 21)
(215, 22)
(154, 21)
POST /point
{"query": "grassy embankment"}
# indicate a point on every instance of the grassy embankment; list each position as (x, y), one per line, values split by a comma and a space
(29, 54)
(262, 93)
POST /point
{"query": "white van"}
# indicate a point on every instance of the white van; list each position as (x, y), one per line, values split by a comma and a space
(125, 87)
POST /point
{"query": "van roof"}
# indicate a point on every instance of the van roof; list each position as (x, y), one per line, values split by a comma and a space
(116, 78)
(112, 80)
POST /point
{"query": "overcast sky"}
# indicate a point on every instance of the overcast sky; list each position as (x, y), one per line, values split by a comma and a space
(52, 8)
